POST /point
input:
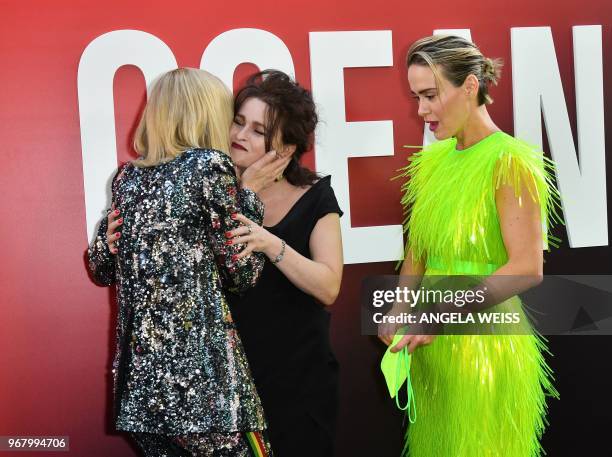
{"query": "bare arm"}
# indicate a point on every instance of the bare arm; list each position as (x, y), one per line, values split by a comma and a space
(411, 275)
(521, 228)
(320, 276)
(412, 271)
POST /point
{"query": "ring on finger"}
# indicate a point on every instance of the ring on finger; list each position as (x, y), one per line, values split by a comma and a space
(250, 229)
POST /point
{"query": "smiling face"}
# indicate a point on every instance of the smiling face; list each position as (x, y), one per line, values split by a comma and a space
(248, 134)
(444, 107)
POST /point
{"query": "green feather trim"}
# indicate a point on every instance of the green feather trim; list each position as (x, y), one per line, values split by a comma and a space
(480, 395)
(449, 199)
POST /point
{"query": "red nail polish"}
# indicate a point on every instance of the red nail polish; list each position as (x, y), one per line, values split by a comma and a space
(228, 242)
(120, 220)
(234, 215)
(118, 234)
(228, 234)
(234, 258)
(116, 212)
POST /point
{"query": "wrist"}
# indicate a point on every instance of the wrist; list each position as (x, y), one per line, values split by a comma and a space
(269, 244)
(246, 185)
(400, 307)
(272, 247)
(279, 253)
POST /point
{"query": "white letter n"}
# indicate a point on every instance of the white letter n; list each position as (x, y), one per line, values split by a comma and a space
(537, 89)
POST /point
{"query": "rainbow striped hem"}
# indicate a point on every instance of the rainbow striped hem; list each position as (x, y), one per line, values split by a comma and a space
(257, 444)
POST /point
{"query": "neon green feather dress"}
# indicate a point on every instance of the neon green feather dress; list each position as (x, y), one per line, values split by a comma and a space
(481, 395)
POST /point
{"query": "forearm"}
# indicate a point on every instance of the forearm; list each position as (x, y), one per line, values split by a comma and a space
(311, 277)
(410, 278)
(412, 271)
(521, 230)
(513, 278)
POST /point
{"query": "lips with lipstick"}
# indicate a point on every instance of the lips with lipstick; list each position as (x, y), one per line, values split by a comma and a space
(238, 146)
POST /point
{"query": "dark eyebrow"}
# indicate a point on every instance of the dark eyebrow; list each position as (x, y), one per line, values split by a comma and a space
(423, 91)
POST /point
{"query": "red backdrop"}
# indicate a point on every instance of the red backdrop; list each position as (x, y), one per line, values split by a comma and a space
(56, 327)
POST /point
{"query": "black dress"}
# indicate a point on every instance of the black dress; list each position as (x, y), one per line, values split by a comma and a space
(285, 333)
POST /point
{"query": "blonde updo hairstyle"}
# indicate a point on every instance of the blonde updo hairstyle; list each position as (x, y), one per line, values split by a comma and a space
(186, 108)
(456, 58)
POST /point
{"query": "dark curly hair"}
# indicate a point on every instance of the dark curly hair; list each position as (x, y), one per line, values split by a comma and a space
(291, 115)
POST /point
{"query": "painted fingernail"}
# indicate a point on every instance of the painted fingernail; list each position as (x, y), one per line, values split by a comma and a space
(120, 221)
(118, 234)
(228, 242)
(234, 215)
(228, 234)
(116, 212)
(234, 258)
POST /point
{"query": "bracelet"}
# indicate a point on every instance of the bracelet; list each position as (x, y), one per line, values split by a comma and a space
(279, 257)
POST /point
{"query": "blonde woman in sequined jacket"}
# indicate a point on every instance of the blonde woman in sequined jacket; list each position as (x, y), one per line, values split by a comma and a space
(182, 385)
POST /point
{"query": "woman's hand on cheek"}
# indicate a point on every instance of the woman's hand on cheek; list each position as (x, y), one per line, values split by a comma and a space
(263, 172)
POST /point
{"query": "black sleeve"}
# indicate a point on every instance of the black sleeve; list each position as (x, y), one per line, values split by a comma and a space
(327, 202)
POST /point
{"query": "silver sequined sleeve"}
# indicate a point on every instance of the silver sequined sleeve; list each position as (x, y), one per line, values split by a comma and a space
(226, 198)
(102, 263)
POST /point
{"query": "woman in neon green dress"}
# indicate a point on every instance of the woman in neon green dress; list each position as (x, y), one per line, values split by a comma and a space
(477, 201)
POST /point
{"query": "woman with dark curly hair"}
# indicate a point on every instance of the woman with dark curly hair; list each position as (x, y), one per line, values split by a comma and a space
(282, 320)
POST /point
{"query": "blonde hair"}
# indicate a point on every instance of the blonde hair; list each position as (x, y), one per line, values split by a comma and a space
(186, 108)
(457, 58)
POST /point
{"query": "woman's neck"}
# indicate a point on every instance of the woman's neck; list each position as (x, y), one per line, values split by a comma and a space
(479, 125)
(274, 189)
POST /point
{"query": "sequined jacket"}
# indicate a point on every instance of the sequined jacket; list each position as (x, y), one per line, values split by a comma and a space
(179, 365)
